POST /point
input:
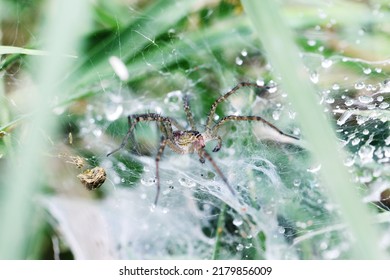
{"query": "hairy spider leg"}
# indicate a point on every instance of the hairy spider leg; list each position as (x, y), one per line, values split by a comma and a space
(219, 143)
(163, 143)
(226, 96)
(210, 159)
(146, 118)
(188, 112)
(249, 118)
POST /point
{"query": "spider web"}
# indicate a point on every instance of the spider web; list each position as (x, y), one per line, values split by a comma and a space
(280, 209)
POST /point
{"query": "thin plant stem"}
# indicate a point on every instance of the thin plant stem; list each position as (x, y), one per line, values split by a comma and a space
(218, 235)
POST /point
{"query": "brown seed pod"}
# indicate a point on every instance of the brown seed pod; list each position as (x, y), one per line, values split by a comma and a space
(93, 178)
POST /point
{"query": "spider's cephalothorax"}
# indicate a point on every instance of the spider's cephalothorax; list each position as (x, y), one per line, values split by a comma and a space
(184, 141)
(189, 140)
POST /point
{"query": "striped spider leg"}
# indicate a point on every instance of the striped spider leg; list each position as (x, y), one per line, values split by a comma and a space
(211, 131)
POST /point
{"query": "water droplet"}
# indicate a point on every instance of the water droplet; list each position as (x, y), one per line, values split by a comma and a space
(378, 153)
(360, 85)
(349, 102)
(365, 99)
(112, 113)
(187, 183)
(244, 52)
(329, 100)
(323, 245)
(336, 87)
(380, 98)
(326, 63)
(361, 119)
(385, 87)
(386, 151)
(355, 141)
(146, 169)
(240, 247)
(332, 254)
(383, 105)
(300, 224)
(276, 115)
(311, 43)
(387, 141)
(260, 83)
(366, 153)
(314, 169)
(122, 166)
(367, 71)
(366, 131)
(172, 99)
(322, 14)
(365, 177)
(349, 161)
(314, 77)
(370, 87)
(238, 222)
(297, 182)
(292, 114)
(119, 68)
(239, 61)
(147, 182)
(281, 230)
(272, 87)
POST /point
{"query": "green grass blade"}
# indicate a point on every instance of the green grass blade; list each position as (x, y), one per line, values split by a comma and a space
(17, 50)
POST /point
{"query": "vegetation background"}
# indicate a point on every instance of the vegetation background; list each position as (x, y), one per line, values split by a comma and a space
(64, 98)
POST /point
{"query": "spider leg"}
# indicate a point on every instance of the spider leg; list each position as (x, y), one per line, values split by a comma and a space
(126, 138)
(201, 157)
(250, 118)
(210, 159)
(187, 109)
(219, 144)
(134, 119)
(176, 124)
(163, 143)
(224, 97)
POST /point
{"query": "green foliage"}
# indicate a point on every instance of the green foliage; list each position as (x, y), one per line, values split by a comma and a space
(171, 48)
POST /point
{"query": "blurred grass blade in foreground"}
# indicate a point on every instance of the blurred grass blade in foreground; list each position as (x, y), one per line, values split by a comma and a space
(283, 55)
(23, 178)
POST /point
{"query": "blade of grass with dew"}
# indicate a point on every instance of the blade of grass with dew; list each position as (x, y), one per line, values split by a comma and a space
(23, 176)
(283, 55)
(15, 53)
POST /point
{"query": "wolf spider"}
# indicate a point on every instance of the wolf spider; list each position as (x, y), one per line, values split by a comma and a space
(184, 141)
